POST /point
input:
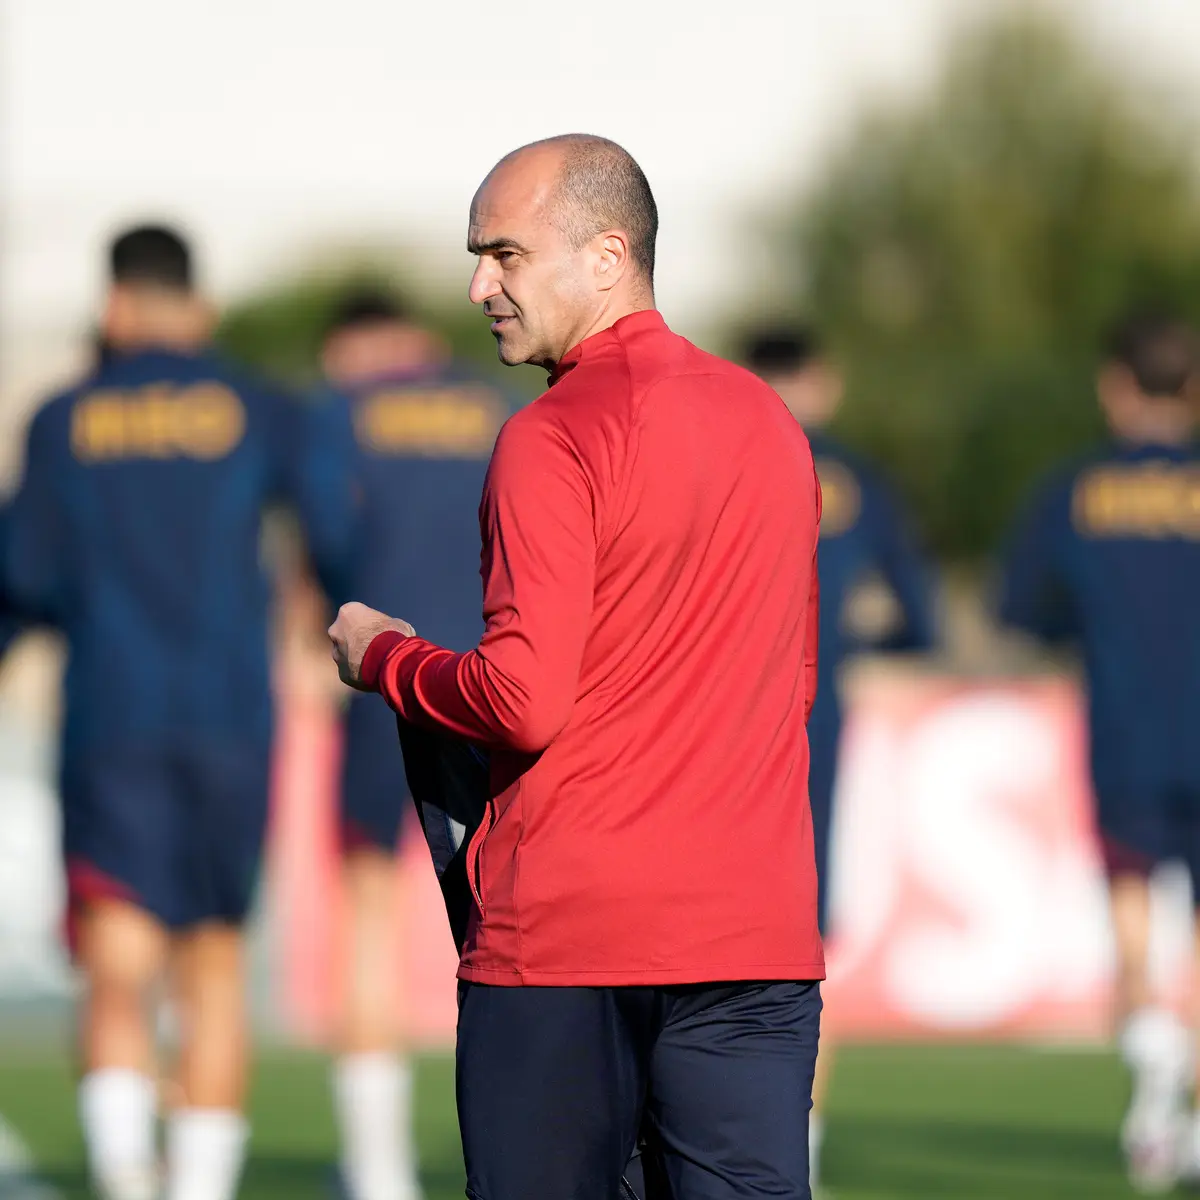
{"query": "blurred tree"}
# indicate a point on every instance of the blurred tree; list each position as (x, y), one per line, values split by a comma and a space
(966, 256)
(279, 330)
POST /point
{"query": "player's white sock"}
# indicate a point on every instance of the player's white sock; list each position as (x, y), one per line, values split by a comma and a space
(1157, 1048)
(373, 1098)
(816, 1138)
(117, 1112)
(1189, 1150)
(205, 1150)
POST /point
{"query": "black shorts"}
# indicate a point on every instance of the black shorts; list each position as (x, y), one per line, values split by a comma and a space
(1141, 828)
(554, 1084)
(177, 831)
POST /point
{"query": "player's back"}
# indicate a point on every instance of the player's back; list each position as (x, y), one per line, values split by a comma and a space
(139, 527)
(1117, 555)
(423, 446)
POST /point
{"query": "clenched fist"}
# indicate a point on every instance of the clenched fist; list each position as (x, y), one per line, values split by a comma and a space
(353, 630)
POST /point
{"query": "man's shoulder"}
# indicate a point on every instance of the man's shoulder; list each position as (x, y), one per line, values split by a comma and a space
(672, 360)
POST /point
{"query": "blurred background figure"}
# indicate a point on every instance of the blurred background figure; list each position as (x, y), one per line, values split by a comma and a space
(863, 541)
(135, 532)
(1109, 557)
(424, 428)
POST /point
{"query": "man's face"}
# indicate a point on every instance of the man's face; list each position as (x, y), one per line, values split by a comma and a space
(531, 282)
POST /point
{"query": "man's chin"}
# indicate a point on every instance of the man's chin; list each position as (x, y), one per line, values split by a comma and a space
(510, 355)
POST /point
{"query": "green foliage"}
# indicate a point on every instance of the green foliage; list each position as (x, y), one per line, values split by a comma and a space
(966, 256)
(279, 330)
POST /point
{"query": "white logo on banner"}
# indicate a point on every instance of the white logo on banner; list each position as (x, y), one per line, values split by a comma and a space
(951, 885)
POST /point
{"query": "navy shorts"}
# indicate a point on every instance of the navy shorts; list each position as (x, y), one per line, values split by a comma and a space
(554, 1084)
(1139, 830)
(375, 803)
(178, 832)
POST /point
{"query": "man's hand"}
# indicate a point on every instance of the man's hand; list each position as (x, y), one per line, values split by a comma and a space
(353, 630)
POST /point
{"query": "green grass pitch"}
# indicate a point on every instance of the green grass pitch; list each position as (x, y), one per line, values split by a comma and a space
(961, 1122)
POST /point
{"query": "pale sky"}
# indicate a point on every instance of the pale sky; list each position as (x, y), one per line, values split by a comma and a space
(272, 126)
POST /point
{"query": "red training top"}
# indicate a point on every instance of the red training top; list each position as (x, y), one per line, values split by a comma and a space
(650, 590)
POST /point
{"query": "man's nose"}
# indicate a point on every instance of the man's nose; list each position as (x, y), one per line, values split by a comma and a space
(484, 284)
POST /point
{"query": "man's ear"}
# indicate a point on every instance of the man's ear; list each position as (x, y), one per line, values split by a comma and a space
(612, 260)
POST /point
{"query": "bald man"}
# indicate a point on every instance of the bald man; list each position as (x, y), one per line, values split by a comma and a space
(643, 945)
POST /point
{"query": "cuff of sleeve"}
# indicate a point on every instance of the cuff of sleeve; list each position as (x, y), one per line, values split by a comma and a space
(376, 655)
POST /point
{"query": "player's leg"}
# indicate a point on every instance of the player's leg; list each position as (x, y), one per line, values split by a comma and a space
(206, 1133)
(550, 1086)
(372, 1076)
(1188, 807)
(730, 1089)
(113, 839)
(823, 758)
(1152, 1040)
(221, 810)
(121, 951)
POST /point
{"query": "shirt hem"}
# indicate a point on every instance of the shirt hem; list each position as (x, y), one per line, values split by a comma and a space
(648, 977)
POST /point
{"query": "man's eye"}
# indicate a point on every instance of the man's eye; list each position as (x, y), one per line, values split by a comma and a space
(506, 256)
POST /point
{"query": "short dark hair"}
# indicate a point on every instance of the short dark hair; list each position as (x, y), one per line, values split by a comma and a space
(151, 254)
(365, 305)
(602, 187)
(1159, 351)
(781, 348)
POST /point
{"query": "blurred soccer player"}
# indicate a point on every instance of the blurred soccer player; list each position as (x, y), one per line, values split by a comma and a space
(136, 531)
(862, 540)
(643, 949)
(1109, 556)
(425, 430)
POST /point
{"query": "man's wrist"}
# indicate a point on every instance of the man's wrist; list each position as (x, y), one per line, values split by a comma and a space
(376, 655)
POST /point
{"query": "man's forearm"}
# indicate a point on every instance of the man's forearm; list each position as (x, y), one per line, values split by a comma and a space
(462, 694)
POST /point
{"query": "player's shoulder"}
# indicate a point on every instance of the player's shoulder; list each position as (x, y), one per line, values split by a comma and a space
(1068, 474)
(251, 385)
(50, 417)
(1051, 494)
(57, 405)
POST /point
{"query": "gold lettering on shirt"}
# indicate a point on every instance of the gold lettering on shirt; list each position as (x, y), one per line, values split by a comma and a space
(841, 497)
(445, 422)
(204, 421)
(1157, 500)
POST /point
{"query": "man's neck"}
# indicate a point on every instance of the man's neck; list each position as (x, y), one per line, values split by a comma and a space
(605, 319)
(182, 327)
(1171, 426)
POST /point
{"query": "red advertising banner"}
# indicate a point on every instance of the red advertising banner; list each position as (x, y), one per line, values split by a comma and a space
(968, 898)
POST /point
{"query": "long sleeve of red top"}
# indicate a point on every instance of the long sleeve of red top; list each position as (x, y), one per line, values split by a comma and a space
(518, 688)
(649, 661)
